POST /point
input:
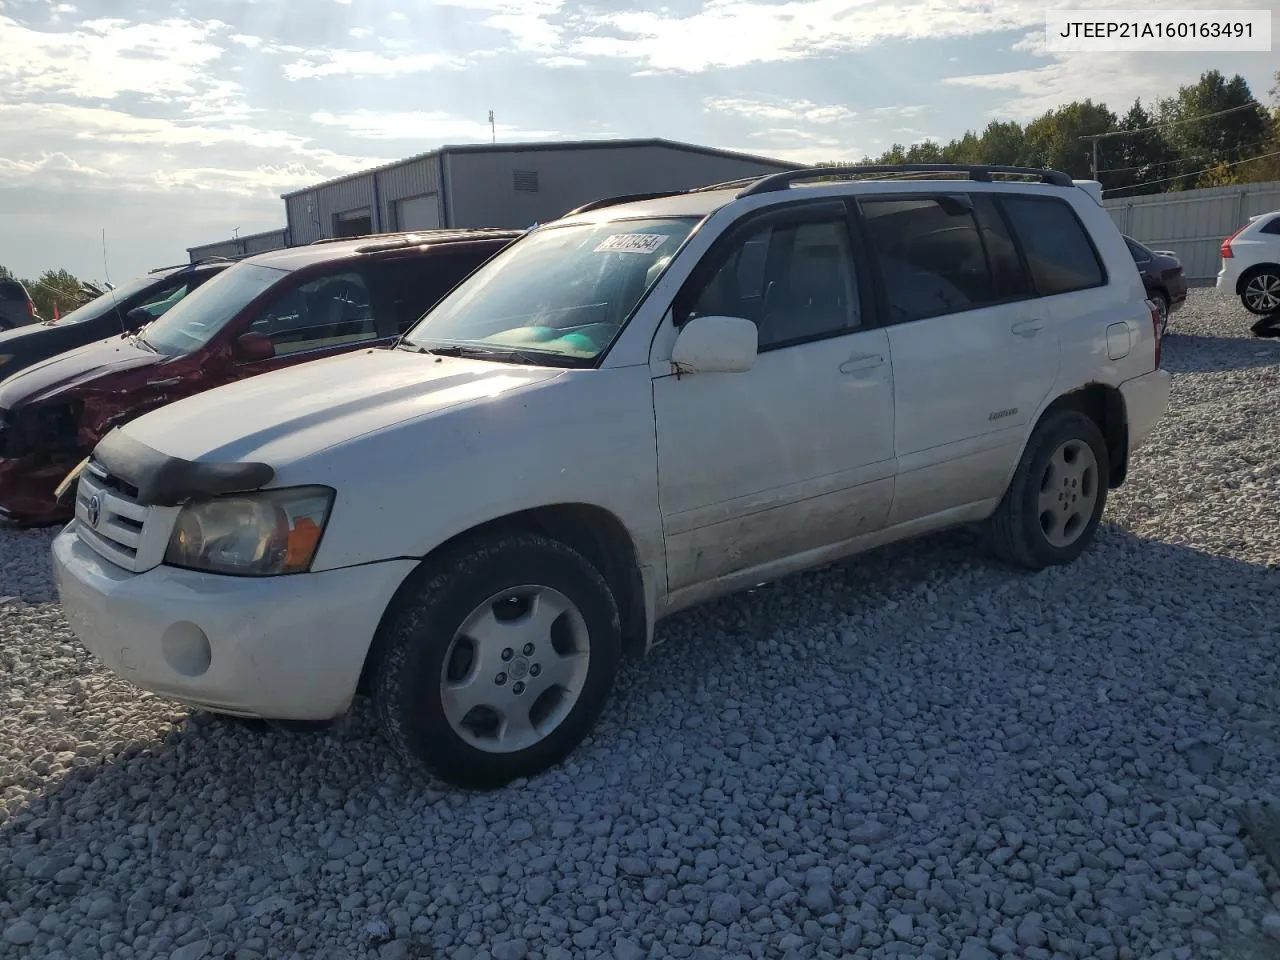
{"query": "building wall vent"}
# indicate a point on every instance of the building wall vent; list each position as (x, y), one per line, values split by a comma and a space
(526, 180)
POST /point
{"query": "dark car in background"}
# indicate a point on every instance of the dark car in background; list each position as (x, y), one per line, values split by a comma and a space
(17, 309)
(262, 313)
(1163, 277)
(114, 312)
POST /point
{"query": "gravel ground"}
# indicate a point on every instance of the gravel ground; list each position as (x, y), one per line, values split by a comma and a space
(916, 753)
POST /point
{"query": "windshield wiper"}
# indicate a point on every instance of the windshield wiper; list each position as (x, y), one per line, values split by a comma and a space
(144, 342)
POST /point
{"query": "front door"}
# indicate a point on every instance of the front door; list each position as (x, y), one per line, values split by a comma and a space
(797, 453)
(322, 316)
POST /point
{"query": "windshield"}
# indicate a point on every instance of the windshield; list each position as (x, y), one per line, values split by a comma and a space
(105, 303)
(197, 318)
(561, 294)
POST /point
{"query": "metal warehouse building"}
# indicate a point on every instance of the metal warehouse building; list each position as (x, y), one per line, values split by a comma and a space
(506, 185)
(245, 246)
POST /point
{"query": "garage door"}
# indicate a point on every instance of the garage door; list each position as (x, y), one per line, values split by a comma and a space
(418, 213)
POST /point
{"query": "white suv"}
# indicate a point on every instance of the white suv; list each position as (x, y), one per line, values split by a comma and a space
(631, 410)
(1251, 264)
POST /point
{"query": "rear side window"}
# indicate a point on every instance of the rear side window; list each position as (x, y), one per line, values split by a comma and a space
(1272, 226)
(1140, 254)
(1058, 250)
(413, 285)
(931, 256)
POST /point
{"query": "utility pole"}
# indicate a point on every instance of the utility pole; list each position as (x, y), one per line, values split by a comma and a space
(493, 129)
(1093, 163)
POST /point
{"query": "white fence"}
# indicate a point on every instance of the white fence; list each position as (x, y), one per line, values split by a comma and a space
(1193, 223)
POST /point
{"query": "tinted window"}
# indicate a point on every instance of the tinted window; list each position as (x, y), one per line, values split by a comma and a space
(1007, 267)
(324, 312)
(159, 301)
(794, 281)
(1058, 249)
(10, 290)
(1139, 252)
(1272, 226)
(411, 286)
(931, 256)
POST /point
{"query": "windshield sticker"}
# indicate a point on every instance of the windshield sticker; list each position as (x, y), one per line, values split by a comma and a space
(632, 243)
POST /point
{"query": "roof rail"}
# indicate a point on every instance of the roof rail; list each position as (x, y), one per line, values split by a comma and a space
(980, 173)
(624, 198)
(726, 184)
(193, 263)
(399, 241)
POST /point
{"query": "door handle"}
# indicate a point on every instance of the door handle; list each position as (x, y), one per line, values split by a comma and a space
(863, 362)
(1028, 328)
(164, 383)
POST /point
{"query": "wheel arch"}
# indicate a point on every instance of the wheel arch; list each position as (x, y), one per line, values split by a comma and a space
(1248, 274)
(592, 531)
(1104, 404)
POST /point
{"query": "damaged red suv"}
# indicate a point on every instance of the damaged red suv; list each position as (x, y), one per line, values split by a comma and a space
(269, 311)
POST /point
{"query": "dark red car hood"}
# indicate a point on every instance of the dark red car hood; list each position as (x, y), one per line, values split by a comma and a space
(75, 368)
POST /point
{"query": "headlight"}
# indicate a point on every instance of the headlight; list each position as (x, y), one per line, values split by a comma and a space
(252, 535)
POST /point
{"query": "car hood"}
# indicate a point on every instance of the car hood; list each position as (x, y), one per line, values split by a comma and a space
(73, 369)
(286, 415)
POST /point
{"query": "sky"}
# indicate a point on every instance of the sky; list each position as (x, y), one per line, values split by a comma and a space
(175, 124)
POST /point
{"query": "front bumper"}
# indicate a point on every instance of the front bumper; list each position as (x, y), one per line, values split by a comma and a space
(280, 648)
(1146, 399)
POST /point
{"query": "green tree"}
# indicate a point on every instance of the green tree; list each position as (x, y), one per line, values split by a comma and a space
(1056, 139)
(1205, 134)
(1143, 160)
(55, 288)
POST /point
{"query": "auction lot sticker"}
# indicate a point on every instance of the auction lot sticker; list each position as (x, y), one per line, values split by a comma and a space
(631, 243)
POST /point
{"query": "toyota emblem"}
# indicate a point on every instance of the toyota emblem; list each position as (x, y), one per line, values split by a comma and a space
(94, 510)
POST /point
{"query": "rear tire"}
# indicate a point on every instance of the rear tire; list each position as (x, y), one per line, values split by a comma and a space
(1260, 291)
(1051, 510)
(496, 660)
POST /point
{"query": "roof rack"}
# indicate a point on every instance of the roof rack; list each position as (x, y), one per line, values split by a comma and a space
(624, 198)
(980, 173)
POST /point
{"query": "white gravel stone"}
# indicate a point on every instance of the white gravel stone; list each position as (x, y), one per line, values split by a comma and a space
(918, 751)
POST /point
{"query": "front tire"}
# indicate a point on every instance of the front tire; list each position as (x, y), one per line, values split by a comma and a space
(1260, 291)
(1051, 510)
(496, 660)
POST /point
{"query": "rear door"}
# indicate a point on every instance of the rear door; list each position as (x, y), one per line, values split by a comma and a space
(974, 352)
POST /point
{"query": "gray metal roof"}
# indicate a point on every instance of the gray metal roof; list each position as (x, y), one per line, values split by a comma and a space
(538, 146)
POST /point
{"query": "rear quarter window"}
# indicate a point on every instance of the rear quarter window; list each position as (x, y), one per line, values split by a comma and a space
(1272, 226)
(1059, 251)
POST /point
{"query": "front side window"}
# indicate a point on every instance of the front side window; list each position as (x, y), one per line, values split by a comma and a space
(558, 295)
(1059, 251)
(197, 317)
(794, 281)
(931, 256)
(326, 311)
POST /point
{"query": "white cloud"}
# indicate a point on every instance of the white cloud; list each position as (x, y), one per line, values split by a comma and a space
(110, 148)
(367, 63)
(432, 126)
(103, 59)
(779, 110)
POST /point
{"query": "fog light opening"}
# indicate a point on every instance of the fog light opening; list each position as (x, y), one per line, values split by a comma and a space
(186, 649)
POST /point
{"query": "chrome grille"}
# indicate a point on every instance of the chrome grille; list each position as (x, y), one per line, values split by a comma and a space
(111, 521)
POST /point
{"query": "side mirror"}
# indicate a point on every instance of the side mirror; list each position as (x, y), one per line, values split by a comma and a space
(716, 345)
(254, 346)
